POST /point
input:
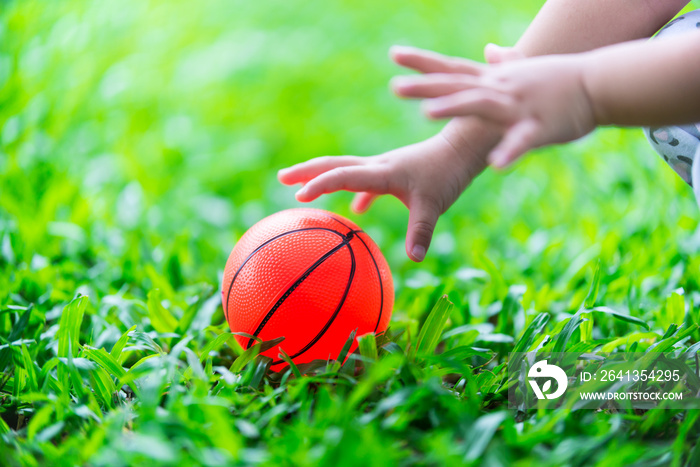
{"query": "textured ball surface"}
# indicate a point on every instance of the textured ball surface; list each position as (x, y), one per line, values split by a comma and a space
(311, 277)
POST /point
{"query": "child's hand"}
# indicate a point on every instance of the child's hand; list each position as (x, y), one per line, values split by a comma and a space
(427, 177)
(535, 101)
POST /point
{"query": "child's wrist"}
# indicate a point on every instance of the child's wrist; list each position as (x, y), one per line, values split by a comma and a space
(588, 75)
(472, 139)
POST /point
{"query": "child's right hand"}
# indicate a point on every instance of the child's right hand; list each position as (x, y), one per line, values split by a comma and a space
(535, 102)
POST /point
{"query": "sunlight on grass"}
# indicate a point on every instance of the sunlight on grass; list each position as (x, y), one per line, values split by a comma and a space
(139, 140)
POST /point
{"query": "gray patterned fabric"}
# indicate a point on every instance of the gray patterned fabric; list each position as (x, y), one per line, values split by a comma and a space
(695, 173)
(677, 145)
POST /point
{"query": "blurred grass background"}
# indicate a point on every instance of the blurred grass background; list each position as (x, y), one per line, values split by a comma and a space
(140, 139)
(146, 126)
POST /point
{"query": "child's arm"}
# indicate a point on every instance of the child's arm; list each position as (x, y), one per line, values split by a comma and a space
(559, 98)
(429, 176)
(645, 83)
(572, 26)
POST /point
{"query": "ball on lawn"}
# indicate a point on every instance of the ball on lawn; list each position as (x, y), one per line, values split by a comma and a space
(310, 276)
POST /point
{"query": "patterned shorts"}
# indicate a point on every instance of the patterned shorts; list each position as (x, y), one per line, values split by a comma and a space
(677, 145)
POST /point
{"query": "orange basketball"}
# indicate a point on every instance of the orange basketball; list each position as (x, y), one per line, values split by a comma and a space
(310, 276)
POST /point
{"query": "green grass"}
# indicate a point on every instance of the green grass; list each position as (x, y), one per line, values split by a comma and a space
(139, 140)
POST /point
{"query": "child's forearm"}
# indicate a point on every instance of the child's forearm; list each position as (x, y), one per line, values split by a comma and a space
(570, 26)
(645, 83)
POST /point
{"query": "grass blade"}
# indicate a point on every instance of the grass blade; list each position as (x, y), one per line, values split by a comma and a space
(215, 344)
(284, 356)
(620, 316)
(4, 428)
(105, 360)
(525, 341)
(69, 327)
(103, 386)
(30, 368)
(532, 330)
(672, 328)
(250, 354)
(16, 332)
(161, 319)
(665, 344)
(481, 433)
(368, 346)
(69, 335)
(592, 295)
(346, 347)
(430, 332)
(565, 334)
(116, 351)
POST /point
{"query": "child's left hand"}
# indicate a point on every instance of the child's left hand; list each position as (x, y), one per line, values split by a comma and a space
(536, 101)
(427, 177)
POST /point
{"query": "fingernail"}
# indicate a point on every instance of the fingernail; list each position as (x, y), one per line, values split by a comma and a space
(418, 252)
(497, 159)
(398, 81)
(301, 192)
(433, 107)
(399, 48)
(399, 84)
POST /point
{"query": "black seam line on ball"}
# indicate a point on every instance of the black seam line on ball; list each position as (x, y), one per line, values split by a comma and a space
(296, 284)
(379, 275)
(250, 256)
(344, 224)
(337, 310)
(356, 231)
(337, 220)
(381, 285)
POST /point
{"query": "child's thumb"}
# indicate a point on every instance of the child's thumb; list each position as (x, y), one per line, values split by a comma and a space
(496, 54)
(421, 224)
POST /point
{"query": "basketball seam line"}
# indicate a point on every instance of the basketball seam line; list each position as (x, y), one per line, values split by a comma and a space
(296, 284)
(376, 266)
(381, 285)
(337, 220)
(250, 256)
(337, 310)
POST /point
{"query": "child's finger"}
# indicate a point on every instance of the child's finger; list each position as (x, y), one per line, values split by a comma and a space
(496, 54)
(352, 178)
(362, 201)
(519, 139)
(427, 61)
(432, 85)
(421, 224)
(484, 103)
(305, 171)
